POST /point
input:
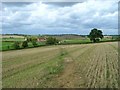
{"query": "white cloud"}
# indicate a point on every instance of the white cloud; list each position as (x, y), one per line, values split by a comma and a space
(79, 17)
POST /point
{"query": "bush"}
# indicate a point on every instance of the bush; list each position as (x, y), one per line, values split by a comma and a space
(97, 40)
(25, 44)
(8, 47)
(16, 45)
(51, 41)
(30, 39)
(34, 43)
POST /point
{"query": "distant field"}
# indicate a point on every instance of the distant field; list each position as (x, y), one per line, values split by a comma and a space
(9, 45)
(11, 36)
(76, 41)
(76, 66)
(13, 39)
(8, 40)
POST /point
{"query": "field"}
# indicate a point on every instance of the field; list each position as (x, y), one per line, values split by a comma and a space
(10, 45)
(84, 66)
(7, 41)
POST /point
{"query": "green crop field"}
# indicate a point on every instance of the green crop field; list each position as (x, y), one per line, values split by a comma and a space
(77, 41)
(7, 42)
(9, 45)
(84, 66)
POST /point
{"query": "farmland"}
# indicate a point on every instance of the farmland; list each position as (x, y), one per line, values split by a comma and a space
(76, 66)
(9, 40)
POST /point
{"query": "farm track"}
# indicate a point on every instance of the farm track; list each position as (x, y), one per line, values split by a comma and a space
(90, 65)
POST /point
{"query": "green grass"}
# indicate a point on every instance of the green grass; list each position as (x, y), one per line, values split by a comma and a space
(6, 45)
(76, 41)
(106, 39)
(84, 41)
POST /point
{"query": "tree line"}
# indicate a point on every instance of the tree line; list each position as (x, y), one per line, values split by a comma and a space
(95, 35)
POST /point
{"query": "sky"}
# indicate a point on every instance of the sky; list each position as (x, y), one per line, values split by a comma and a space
(60, 17)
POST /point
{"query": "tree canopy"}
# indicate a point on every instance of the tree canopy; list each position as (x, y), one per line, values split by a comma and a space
(51, 41)
(95, 35)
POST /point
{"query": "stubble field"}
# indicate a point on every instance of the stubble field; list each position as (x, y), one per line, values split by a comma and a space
(76, 66)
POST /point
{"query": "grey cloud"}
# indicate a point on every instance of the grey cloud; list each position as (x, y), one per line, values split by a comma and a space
(60, 17)
(61, 4)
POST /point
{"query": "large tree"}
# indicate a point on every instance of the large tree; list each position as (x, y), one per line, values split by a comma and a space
(95, 35)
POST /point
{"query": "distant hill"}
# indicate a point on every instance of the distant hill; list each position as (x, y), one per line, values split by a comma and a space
(58, 36)
(67, 36)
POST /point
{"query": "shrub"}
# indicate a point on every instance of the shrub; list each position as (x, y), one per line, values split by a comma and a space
(25, 44)
(51, 41)
(97, 40)
(16, 45)
(34, 43)
(30, 39)
(8, 47)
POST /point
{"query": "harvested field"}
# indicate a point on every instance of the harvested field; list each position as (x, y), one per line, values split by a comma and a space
(63, 66)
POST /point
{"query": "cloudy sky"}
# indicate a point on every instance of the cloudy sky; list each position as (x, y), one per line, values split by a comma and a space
(60, 17)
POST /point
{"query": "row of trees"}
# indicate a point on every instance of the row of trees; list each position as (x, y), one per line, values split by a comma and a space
(18, 45)
(24, 44)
